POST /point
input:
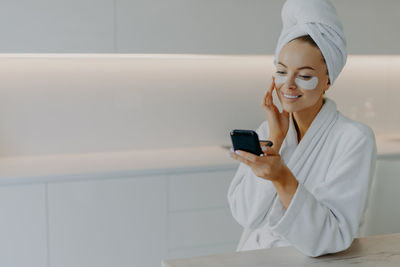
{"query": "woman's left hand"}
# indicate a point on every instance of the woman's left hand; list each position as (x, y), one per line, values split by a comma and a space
(268, 166)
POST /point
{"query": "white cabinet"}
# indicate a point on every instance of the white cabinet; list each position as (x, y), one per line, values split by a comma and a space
(179, 26)
(23, 226)
(199, 218)
(139, 221)
(202, 228)
(129, 218)
(199, 190)
(204, 27)
(113, 222)
(383, 215)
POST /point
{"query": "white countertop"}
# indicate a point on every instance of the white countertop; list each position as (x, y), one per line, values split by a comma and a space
(388, 146)
(382, 251)
(119, 163)
(138, 162)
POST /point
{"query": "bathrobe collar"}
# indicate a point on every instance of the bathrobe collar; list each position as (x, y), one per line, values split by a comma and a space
(312, 141)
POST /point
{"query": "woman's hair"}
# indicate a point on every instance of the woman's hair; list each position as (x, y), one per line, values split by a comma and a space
(309, 40)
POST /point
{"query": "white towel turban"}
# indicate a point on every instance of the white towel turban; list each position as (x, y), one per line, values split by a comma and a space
(318, 19)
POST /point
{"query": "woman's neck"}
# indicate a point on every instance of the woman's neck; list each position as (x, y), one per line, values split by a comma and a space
(304, 118)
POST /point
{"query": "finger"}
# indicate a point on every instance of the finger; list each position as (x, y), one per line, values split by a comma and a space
(270, 152)
(265, 98)
(272, 87)
(241, 159)
(246, 155)
(264, 149)
(285, 113)
(270, 99)
(266, 143)
(269, 91)
(263, 145)
(267, 151)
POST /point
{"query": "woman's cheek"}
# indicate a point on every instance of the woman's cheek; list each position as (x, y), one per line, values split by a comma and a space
(311, 97)
(316, 93)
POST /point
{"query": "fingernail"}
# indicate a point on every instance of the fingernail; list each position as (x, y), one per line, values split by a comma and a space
(237, 152)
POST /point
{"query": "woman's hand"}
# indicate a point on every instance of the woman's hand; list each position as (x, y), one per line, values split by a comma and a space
(271, 167)
(278, 122)
(268, 166)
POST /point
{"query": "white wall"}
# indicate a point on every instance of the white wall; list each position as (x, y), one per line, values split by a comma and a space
(55, 104)
(370, 26)
(51, 105)
(56, 26)
(179, 26)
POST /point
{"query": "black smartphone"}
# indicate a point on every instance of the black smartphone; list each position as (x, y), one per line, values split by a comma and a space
(247, 140)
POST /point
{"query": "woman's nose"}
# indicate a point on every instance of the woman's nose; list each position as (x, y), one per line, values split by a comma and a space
(290, 82)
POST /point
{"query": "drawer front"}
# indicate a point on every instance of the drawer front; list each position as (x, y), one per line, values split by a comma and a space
(200, 190)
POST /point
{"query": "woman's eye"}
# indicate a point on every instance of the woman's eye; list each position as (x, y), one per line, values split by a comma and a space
(281, 72)
(305, 77)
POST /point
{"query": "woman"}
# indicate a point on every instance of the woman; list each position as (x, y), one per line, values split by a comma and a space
(310, 188)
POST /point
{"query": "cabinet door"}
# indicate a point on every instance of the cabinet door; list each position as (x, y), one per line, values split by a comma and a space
(199, 217)
(199, 190)
(203, 27)
(113, 222)
(383, 216)
(23, 239)
(46, 26)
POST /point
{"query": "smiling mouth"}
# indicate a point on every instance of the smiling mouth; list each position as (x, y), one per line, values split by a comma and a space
(291, 96)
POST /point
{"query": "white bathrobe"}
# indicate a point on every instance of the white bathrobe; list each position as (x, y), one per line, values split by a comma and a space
(334, 164)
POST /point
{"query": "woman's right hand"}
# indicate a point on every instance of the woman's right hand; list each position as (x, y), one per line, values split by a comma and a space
(278, 122)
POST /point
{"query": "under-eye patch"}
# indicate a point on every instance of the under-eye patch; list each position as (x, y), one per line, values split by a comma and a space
(280, 78)
(304, 84)
(307, 84)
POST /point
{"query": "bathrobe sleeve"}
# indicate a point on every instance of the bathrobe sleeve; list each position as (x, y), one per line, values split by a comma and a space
(250, 197)
(326, 220)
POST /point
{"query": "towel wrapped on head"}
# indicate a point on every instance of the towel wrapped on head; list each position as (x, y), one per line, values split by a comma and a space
(318, 19)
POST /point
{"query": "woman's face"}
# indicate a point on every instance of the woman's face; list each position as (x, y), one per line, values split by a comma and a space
(301, 76)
